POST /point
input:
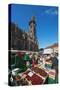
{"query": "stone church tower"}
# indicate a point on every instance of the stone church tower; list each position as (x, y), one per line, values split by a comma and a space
(32, 28)
(32, 34)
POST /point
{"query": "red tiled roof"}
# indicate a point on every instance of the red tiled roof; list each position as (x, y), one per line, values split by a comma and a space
(52, 46)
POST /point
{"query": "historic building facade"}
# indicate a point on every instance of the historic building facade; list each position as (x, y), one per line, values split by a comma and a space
(21, 40)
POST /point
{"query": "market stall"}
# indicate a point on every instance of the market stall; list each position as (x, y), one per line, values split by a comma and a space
(28, 71)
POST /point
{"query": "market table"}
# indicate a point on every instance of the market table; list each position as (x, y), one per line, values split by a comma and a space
(40, 71)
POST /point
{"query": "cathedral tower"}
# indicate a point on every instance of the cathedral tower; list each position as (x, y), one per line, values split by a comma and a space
(32, 28)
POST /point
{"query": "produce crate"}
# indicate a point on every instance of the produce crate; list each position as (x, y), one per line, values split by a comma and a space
(52, 77)
(40, 71)
(33, 79)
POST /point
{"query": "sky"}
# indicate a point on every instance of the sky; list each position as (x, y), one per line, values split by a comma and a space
(46, 19)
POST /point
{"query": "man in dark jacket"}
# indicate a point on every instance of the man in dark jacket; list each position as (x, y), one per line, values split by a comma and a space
(55, 66)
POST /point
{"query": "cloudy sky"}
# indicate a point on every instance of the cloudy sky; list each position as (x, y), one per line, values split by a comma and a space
(46, 20)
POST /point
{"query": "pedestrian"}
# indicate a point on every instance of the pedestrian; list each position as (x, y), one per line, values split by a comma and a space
(55, 66)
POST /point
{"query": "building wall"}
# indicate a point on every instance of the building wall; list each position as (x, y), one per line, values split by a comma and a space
(55, 49)
(51, 50)
(48, 51)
